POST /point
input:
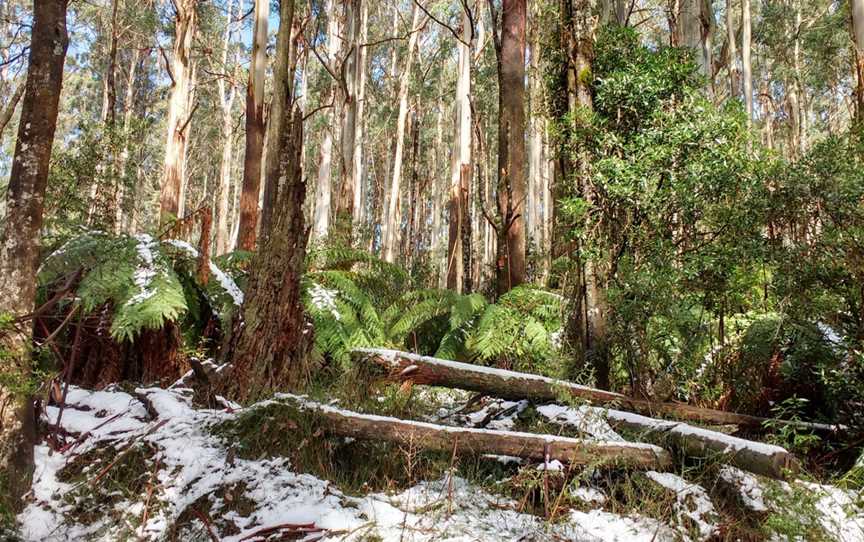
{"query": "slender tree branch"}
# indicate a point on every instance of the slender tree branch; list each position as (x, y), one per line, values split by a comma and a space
(442, 23)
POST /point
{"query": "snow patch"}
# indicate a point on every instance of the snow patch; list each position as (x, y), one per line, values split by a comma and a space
(146, 271)
(587, 420)
(324, 300)
(693, 507)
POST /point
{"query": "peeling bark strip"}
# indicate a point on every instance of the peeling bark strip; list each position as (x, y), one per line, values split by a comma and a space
(247, 233)
(345, 423)
(514, 385)
(20, 238)
(765, 459)
(179, 111)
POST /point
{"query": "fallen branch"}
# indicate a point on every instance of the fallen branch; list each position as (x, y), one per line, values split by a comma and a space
(294, 528)
(772, 461)
(126, 450)
(345, 423)
(758, 457)
(401, 366)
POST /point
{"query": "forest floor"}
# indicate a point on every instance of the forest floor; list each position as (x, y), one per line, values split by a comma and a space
(152, 464)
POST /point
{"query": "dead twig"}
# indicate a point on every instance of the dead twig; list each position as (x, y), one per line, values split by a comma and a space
(292, 527)
(125, 451)
(207, 524)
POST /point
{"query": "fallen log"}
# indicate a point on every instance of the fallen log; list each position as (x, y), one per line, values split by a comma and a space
(345, 423)
(765, 459)
(403, 366)
(757, 457)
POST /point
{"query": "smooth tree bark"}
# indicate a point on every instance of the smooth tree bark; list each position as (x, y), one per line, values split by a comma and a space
(179, 110)
(351, 67)
(323, 187)
(858, 42)
(768, 110)
(732, 51)
(461, 172)
(617, 11)
(227, 94)
(123, 159)
(361, 188)
(536, 166)
(250, 194)
(20, 240)
(392, 220)
(746, 65)
(695, 26)
(282, 87)
(798, 99)
(439, 187)
(510, 228)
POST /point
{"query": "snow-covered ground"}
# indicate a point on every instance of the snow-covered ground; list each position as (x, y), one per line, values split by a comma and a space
(191, 483)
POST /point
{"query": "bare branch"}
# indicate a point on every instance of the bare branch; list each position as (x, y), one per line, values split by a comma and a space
(443, 24)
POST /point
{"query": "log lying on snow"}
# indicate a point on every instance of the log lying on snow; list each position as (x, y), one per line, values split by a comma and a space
(345, 423)
(514, 385)
(765, 459)
(758, 457)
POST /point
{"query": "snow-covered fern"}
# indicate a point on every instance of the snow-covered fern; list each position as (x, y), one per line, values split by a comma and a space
(144, 281)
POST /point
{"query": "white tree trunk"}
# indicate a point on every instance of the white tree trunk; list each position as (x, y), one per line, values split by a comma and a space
(178, 110)
(437, 195)
(124, 154)
(548, 216)
(184, 171)
(227, 94)
(732, 51)
(535, 157)
(695, 30)
(323, 188)
(360, 189)
(391, 222)
(348, 113)
(462, 159)
(801, 99)
(746, 40)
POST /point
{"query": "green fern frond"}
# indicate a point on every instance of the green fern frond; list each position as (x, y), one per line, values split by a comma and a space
(417, 315)
(145, 282)
(466, 309)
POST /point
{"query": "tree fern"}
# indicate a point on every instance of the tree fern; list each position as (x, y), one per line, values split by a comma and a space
(139, 278)
(364, 304)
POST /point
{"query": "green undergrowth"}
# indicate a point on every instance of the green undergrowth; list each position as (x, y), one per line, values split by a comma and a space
(106, 477)
(7, 516)
(794, 515)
